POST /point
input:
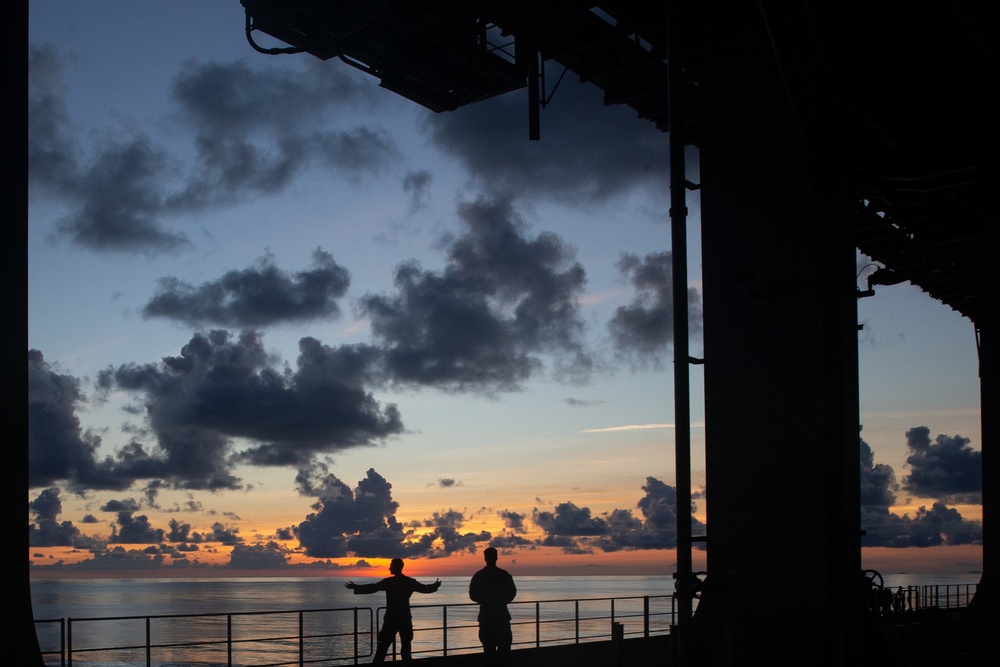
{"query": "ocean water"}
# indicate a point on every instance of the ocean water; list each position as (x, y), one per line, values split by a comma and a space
(250, 609)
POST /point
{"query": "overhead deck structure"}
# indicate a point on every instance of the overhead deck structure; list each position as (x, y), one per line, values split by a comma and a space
(822, 128)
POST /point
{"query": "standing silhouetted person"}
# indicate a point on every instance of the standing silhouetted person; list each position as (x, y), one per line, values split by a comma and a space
(493, 588)
(398, 589)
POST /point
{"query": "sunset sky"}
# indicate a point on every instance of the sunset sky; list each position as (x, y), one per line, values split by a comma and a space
(281, 316)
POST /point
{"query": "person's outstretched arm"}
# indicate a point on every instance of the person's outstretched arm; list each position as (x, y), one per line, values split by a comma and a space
(363, 589)
(429, 588)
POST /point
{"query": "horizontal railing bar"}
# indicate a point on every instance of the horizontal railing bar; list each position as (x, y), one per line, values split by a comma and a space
(222, 614)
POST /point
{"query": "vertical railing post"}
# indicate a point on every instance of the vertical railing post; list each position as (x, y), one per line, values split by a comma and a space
(645, 616)
(355, 635)
(612, 610)
(149, 650)
(69, 641)
(576, 619)
(444, 629)
(302, 639)
(538, 625)
(229, 640)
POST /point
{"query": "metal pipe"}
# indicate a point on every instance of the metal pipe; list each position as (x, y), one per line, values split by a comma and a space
(682, 385)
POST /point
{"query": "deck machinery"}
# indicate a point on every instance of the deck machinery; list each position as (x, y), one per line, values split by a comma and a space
(821, 128)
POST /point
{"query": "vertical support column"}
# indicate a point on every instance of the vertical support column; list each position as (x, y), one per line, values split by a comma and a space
(682, 384)
(780, 336)
(985, 605)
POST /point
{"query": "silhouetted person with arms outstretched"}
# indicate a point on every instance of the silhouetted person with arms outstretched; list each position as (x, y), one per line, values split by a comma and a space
(398, 589)
(493, 589)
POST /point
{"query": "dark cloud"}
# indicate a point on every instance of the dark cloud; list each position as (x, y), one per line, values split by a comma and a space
(121, 200)
(47, 504)
(221, 388)
(482, 323)
(513, 520)
(130, 529)
(224, 534)
(58, 448)
(947, 468)
(258, 556)
(119, 558)
(588, 151)
(218, 389)
(255, 130)
(417, 184)
(644, 329)
(126, 505)
(361, 521)
(940, 525)
(47, 531)
(574, 530)
(447, 535)
(878, 481)
(181, 532)
(936, 526)
(569, 520)
(257, 296)
(508, 542)
(52, 151)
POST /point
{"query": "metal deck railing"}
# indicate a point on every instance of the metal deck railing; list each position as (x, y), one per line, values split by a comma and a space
(346, 635)
(337, 636)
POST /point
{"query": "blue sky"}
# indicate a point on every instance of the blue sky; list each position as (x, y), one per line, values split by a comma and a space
(476, 319)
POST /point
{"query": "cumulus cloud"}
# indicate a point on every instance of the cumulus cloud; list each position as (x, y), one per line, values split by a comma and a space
(364, 517)
(878, 480)
(644, 329)
(181, 532)
(221, 388)
(253, 132)
(255, 128)
(130, 529)
(124, 505)
(513, 520)
(47, 531)
(362, 522)
(939, 525)
(267, 556)
(58, 447)
(482, 323)
(948, 468)
(619, 154)
(576, 531)
(256, 296)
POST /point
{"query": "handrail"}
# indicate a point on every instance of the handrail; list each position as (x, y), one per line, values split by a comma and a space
(274, 643)
(186, 637)
(446, 629)
(457, 627)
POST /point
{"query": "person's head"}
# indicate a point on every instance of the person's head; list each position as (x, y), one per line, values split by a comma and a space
(396, 565)
(490, 554)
